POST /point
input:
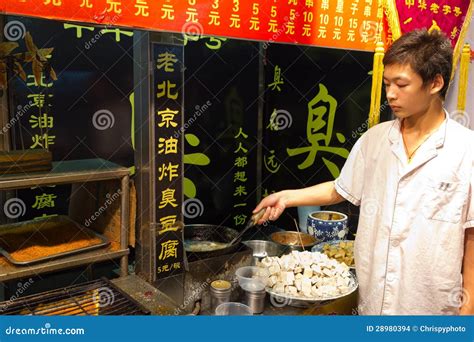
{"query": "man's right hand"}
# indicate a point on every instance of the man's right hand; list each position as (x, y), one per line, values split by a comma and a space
(275, 205)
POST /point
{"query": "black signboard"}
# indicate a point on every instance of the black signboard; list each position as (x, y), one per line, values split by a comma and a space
(167, 64)
(221, 130)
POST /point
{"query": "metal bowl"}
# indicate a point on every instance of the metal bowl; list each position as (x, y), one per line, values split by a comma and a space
(294, 241)
(262, 249)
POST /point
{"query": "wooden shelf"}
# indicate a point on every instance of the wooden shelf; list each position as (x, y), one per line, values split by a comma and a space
(9, 271)
(66, 172)
(70, 172)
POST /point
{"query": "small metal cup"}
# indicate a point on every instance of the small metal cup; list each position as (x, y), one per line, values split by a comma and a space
(220, 293)
(255, 300)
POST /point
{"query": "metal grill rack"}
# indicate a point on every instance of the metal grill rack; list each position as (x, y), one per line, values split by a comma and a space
(95, 298)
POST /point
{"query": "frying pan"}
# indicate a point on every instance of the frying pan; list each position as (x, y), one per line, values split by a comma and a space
(212, 233)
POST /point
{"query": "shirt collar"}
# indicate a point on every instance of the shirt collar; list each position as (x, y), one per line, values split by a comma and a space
(439, 136)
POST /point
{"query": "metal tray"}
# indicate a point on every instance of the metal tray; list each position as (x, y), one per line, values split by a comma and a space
(58, 219)
(279, 299)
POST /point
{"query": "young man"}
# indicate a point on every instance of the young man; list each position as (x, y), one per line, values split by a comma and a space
(413, 179)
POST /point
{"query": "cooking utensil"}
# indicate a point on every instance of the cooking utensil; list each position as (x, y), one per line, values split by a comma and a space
(298, 230)
(209, 233)
(294, 241)
(262, 233)
(262, 249)
(252, 222)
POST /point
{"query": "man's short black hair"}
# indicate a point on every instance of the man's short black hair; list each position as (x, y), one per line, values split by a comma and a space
(427, 53)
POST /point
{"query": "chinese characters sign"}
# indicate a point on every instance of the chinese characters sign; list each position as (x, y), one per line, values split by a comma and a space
(167, 113)
(348, 24)
(72, 121)
(447, 16)
(313, 115)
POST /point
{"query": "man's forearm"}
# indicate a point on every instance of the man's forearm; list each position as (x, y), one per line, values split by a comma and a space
(320, 194)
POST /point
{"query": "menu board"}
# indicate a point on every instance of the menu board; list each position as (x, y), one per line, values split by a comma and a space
(347, 24)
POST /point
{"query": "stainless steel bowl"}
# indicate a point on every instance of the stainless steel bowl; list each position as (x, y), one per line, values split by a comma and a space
(294, 241)
(262, 248)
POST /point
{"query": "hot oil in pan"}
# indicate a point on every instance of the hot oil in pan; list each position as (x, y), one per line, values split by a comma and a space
(203, 246)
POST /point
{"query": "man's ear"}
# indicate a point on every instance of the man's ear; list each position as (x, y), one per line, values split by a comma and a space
(437, 84)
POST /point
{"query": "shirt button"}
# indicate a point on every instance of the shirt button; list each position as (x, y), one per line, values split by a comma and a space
(395, 243)
(391, 278)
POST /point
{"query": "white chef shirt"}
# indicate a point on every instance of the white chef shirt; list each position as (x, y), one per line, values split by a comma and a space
(410, 239)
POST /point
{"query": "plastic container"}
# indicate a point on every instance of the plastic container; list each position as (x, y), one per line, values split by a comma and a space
(233, 309)
(303, 213)
(252, 278)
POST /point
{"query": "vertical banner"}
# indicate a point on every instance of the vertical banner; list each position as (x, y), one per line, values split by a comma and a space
(167, 92)
(451, 17)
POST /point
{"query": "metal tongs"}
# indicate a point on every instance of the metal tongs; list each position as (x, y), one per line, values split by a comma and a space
(252, 222)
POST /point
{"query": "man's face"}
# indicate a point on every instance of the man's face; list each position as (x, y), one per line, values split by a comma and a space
(405, 91)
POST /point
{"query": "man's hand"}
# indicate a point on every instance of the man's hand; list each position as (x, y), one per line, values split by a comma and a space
(275, 203)
(320, 194)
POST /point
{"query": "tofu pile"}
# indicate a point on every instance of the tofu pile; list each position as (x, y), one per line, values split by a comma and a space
(307, 275)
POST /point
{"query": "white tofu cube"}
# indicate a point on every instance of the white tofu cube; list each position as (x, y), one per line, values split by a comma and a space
(291, 290)
(308, 272)
(288, 278)
(274, 268)
(298, 283)
(306, 286)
